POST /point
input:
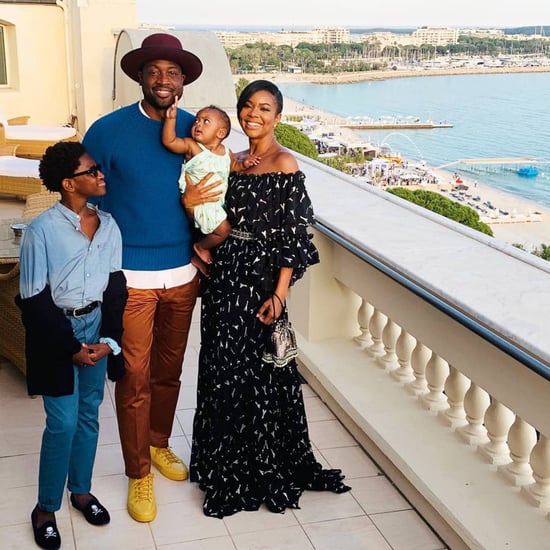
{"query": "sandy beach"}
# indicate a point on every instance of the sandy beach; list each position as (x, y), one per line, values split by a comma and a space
(527, 222)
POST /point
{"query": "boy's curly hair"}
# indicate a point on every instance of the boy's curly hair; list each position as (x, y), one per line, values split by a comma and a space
(60, 161)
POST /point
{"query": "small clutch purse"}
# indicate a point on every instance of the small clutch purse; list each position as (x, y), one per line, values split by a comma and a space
(280, 348)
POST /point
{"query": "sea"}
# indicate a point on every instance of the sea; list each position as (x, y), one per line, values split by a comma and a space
(493, 116)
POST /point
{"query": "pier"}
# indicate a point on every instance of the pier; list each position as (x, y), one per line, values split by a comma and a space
(396, 125)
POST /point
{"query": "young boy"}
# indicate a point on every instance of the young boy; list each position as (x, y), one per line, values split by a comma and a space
(72, 295)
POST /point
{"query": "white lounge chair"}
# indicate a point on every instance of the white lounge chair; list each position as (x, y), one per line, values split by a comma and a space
(18, 176)
(32, 140)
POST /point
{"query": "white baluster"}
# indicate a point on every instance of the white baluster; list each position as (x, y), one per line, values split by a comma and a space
(456, 387)
(437, 371)
(539, 492)
(521, 440)
(364, 315)
(476, 403)
(390, 334)
(419, 359)
(376, 326)
(403, 349)
(498, 420)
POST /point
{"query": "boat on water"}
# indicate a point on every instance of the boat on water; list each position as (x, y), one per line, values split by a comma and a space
(528, 171)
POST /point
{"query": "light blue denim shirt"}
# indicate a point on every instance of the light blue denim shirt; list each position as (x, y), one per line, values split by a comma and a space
(54, 251)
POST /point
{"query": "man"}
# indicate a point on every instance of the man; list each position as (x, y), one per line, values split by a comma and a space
(72, 295)
(156, 259)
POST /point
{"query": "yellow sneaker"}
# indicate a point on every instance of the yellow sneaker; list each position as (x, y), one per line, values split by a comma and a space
(168, 464)
(141, 499)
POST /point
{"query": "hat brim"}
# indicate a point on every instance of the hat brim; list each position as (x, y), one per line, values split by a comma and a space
(132, 62)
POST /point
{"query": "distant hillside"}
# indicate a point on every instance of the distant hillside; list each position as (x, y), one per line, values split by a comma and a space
(544, 30)
(539, 29)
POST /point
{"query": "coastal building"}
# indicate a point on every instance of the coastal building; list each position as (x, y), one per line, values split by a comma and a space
(435, 36)
(319, 35)
(483, 33)
(428, 341)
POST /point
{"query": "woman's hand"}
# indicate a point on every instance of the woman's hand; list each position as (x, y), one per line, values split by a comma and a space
(196, 194)
(270, 310)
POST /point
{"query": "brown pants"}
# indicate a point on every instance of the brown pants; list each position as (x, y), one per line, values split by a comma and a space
(156, 326)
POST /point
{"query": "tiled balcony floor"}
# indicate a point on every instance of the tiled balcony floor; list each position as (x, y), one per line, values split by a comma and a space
(372, 516)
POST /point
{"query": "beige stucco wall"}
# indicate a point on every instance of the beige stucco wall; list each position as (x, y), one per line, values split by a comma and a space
(65, 60)
(99, 22)
(62, 59)
(38, 64)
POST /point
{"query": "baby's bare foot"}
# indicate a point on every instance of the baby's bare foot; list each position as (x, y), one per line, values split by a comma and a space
(200, 265)
(203, 253)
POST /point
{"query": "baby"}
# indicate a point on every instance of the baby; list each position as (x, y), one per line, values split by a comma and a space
(204, 153)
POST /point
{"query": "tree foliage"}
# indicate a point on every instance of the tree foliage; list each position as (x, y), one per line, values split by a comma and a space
(442, 205)
(543, 251)
(241, 85)
(371, 54)
(291, 137)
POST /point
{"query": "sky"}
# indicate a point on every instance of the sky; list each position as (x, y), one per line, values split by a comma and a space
(347, 13)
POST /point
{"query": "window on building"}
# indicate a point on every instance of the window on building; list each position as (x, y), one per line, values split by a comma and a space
(3, 64)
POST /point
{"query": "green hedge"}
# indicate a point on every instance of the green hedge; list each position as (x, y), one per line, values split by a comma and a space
(442, 205)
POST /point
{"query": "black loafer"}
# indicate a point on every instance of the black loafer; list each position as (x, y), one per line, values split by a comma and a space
(94, 512)
(46, 535)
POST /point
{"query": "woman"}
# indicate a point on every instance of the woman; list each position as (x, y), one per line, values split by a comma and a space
(250, 438)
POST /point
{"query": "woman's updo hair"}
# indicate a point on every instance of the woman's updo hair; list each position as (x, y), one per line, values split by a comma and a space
(256, 86)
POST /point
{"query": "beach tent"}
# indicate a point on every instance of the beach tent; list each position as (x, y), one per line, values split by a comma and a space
(377, 167)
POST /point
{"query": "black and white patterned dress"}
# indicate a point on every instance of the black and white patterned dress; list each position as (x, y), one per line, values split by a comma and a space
(250, 436)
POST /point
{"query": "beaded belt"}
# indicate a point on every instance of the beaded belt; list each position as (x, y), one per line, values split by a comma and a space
(243, 235)
(80, 311)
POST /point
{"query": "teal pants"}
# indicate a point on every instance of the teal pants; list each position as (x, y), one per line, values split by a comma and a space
(69, 441)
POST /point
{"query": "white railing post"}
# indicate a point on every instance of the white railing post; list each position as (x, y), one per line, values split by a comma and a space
(476, 403)
(390, 334)
(376, 327)
(404, 348)
(437, 371)
(538, 493)
(498, 420)
(456, 387)
(364, 315)
(419, 359)
(521, 440)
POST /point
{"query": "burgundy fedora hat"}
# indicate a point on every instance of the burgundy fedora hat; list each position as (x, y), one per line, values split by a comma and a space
(161, 46)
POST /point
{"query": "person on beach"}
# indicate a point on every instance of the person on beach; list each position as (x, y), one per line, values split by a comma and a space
(72, 296)
(144, 199)
(250, 438)
(205, 155)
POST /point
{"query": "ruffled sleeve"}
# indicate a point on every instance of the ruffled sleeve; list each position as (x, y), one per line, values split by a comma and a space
(289, 240)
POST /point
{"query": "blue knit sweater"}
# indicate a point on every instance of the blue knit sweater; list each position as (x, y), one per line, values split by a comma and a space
(142, 187)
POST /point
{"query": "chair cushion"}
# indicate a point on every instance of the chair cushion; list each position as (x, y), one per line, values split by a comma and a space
(18, 167)
(39, 133)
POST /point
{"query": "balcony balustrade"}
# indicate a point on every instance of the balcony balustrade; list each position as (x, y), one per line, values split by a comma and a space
(430, 342)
